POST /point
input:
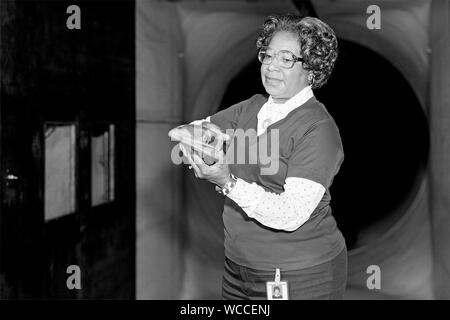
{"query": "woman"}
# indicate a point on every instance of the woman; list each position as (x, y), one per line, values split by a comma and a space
(279, 227)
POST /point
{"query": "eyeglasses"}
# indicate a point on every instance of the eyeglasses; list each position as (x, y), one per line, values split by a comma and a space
(286, 59)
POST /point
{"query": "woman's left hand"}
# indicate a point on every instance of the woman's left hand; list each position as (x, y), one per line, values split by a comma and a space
(218, 173)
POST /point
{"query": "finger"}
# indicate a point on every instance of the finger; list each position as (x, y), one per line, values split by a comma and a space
(199, 162)
(186, 153)
(192, 163)
(183, 151)
(188, 156)
(220, 156)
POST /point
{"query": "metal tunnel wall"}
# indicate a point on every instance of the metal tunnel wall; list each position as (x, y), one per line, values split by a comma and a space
(205, 45)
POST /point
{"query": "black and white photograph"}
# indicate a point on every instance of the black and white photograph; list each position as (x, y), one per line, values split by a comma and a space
(209, 150)
(277, 291)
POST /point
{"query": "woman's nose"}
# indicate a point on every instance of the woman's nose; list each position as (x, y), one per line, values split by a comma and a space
(273, 64)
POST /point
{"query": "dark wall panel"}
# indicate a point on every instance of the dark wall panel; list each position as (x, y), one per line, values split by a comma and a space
(87, 76)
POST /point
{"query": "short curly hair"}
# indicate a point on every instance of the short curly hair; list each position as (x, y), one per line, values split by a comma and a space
(318, 43)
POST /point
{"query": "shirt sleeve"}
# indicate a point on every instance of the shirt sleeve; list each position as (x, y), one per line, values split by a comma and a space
(286, 211)
(317, 155)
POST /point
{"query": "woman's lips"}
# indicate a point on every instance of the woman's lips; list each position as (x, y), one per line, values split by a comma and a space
(272, 79)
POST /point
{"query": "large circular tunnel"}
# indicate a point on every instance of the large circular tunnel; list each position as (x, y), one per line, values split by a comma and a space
(384, 133)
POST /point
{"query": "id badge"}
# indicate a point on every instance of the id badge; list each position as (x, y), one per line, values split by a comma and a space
(277, 290)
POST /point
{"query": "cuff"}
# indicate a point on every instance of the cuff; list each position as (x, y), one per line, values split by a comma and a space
(243, 193)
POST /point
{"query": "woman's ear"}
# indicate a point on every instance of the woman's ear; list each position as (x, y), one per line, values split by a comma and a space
(311, 78)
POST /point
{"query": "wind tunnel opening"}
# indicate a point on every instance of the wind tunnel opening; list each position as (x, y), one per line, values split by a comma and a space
(384, 133)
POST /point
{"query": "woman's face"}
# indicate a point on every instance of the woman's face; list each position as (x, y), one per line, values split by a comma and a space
(281, 83)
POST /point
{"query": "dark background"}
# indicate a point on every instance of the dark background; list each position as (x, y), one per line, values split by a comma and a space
(84, 77)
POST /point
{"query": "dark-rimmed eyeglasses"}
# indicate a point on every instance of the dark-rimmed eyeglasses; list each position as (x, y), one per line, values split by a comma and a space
(285, 58)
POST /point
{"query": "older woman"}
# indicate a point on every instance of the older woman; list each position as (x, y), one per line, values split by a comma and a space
(279, 229)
